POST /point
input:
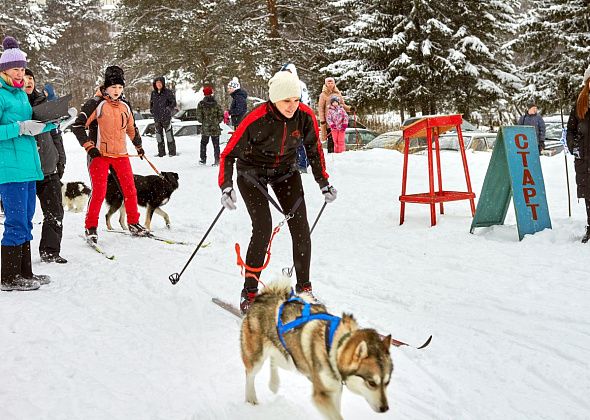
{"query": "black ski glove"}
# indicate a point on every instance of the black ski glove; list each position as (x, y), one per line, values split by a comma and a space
(93, 152)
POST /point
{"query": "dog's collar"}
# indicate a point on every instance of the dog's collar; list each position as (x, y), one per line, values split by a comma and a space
(305, 317)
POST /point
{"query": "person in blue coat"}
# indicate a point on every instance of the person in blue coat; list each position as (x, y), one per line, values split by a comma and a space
(20, 169)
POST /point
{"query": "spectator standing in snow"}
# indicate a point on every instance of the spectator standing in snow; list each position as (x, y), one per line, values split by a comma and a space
(239, 104)
(19, 172)
(162, 107)
(578, 142)
(301, 155)
(265, 147)
(337, 120)
(328, 90)
(100, 128)
(209, 114)
(53, 163)
(533, 118)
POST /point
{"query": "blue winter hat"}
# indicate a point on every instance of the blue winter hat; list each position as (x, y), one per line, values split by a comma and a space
(50, 91)
(12, 57)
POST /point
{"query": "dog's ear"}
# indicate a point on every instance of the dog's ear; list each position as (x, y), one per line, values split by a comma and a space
(387, 342)
(360, 352)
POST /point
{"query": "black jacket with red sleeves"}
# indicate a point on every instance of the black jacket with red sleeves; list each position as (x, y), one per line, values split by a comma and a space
(267, 141)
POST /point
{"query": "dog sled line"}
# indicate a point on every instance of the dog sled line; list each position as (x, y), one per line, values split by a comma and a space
(234, 310)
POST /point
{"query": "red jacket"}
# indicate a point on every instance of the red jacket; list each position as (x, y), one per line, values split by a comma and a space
(267, 141)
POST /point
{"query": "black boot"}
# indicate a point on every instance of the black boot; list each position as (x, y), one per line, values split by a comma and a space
(11, 266)
(586, 237)
(26, 267)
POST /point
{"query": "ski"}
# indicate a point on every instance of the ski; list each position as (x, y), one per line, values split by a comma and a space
(227, 306)
(159, 238)
(99, 249)
(398, 343)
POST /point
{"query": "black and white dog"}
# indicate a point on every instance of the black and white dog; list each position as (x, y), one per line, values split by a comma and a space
(75, 196)
(153, 191)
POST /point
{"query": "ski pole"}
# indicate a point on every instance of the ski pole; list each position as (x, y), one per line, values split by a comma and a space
(567, 172)
(175, 277)
(289, 271)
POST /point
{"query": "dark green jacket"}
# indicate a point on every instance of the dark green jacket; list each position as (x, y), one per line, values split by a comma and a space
(209, 114)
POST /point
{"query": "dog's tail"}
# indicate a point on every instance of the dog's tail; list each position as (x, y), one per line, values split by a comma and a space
(280, 288)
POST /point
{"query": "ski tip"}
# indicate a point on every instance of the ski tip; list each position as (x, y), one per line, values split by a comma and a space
(426, 343)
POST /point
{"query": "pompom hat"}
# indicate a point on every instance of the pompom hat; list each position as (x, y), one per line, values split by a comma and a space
(283, 85)
(207, 90)
(234, 83)
(12, 57)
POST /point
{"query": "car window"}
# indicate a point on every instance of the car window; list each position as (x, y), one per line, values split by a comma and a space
(187, 130)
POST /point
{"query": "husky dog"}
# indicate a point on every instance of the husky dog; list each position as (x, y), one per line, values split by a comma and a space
(75, 196)
(330, 353)
(153, 191)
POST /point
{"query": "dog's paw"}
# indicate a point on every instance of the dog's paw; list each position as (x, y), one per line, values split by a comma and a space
(253, 401)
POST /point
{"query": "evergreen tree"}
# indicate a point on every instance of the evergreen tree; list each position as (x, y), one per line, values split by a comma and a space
(554, 38)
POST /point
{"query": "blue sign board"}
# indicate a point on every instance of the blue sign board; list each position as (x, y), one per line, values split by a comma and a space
(514, 170)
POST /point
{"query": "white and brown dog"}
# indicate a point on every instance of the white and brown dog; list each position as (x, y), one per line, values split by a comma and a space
(296, 332)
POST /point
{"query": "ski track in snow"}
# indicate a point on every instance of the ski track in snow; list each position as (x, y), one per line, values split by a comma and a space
(115, 340)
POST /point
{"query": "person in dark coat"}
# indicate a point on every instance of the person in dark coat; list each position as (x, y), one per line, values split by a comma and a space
(239, 104)
(209, 114)
(265, 148)
(578, 142)
(49, 92)
(53, 163)
(162, 107)
(533, 118)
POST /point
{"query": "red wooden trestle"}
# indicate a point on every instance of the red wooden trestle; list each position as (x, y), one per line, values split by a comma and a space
(431, 127)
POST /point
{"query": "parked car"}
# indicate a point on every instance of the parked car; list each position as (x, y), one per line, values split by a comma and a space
(553, 130)
(189, 114)
(387, 140)
(357, 138)
(193, 129)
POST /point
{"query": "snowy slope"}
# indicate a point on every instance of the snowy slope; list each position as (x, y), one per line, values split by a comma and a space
(115, 340)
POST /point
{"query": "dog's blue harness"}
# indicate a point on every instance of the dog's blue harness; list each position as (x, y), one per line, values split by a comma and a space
(304, 318)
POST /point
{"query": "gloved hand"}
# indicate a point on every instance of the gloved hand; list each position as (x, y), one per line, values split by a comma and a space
(30, 127)
(344, 127)
(140, 152)
(332, 127)
(229, 199)
(330, 193)
(576, 153)
(60, 170)
(93, 152)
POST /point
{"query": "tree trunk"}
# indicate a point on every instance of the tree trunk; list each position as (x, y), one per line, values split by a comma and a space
(273, 18)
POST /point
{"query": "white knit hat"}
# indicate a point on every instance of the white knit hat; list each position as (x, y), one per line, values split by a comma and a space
(587, 75)
(283, 85)
(234, 83)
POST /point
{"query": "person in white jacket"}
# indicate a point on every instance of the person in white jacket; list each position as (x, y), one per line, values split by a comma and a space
(302, 161)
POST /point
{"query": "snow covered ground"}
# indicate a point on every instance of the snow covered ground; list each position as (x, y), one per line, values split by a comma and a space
(115, 340)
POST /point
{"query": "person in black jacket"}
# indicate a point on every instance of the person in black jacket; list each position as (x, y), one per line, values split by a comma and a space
(265, 148)
(533, 118)
(239, 104)
(53, 163)
(162, 107)
(578, 142)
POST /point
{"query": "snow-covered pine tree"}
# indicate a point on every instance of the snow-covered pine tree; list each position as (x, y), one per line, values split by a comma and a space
(397, 52)
(485, 76)
(554, 38)
(25, 21)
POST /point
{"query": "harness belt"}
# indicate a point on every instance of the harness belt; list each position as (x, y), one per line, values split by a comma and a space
(305, 317)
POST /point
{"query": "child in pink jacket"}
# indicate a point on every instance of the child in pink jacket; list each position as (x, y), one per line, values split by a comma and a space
(337, 120)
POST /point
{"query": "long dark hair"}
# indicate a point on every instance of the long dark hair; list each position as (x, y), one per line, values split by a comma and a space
(582, 102)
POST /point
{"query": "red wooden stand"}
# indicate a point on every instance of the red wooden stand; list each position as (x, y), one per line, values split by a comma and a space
(431, 127)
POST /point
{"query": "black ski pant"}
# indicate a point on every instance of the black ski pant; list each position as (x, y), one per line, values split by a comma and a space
(204, 142)
(587, 200)
(161, 127)
(287, 191)
(49, 193)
